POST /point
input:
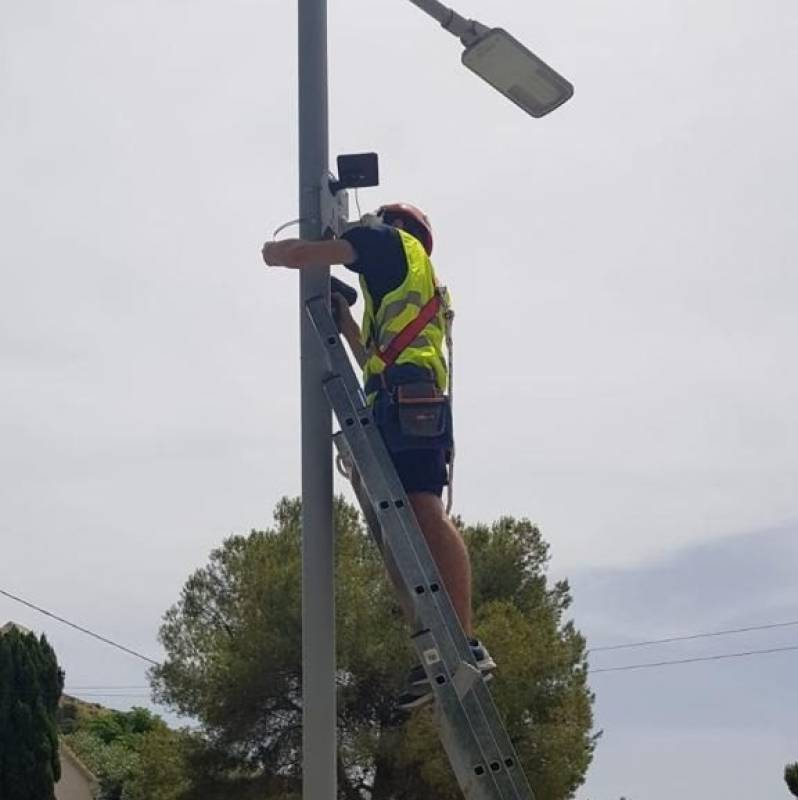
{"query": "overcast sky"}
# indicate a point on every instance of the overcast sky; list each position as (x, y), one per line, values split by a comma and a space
(625, 285)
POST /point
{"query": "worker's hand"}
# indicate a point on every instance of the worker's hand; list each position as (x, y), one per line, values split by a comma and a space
(341, 313)
(271, 254)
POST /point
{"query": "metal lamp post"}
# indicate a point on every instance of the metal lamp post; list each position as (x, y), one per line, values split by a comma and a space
(318, 589)
(523, 78)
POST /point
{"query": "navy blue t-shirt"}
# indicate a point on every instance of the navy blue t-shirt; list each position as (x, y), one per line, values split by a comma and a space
(380, 259)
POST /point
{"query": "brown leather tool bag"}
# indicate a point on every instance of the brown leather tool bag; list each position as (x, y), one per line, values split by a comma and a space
(423, 410)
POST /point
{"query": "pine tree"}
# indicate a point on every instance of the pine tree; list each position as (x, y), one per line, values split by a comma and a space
(30, 687)
(234, 663)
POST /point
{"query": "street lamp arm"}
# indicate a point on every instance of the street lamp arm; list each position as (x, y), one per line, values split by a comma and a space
(467, 30)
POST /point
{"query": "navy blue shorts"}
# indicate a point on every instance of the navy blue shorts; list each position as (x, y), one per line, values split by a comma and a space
(420, 469)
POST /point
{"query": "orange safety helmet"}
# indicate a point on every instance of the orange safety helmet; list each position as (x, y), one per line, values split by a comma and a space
(416, 221)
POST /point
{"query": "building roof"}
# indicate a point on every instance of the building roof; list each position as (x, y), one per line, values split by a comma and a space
(13, 626)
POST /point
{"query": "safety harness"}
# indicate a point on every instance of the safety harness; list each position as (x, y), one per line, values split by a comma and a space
(411, 331)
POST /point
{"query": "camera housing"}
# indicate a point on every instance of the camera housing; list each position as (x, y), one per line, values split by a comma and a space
(356, 171)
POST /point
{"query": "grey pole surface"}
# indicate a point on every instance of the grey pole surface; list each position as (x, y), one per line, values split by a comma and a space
(318, 591)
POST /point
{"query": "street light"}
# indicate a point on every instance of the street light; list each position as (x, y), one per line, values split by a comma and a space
(517, 73)
(503, 62)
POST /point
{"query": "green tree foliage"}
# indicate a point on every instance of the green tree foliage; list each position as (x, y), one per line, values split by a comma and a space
(30, 687)
(122, 726)
(162, 767)
(67, 716)
(133, 754)
(234, 662)
(791, 777)
(113, 763)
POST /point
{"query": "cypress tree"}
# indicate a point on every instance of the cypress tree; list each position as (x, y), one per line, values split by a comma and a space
(791, 777)
(30, 687)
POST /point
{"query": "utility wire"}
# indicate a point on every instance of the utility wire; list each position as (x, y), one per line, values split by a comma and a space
(693, 636)
(649, 665)
(79, 628)
(624, 668)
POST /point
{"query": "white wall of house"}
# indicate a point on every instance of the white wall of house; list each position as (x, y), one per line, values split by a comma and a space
(76, 783)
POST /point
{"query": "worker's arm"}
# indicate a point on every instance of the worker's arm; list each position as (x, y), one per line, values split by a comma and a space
(298, 253)
(349, 329)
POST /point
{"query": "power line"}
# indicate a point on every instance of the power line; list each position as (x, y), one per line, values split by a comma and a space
(649, 665)
(79, 628)
(693, 636)
(626, 667)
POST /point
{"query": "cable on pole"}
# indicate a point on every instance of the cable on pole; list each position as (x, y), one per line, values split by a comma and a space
(81, 629)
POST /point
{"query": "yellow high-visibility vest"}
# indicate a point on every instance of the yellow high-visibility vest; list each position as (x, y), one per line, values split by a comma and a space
(398, 308)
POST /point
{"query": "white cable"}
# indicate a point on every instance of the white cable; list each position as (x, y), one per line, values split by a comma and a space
(287, 225)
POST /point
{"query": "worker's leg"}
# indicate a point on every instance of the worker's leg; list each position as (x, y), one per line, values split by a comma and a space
(449, 551)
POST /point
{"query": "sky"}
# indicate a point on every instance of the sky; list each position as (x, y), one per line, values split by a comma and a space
(623, 276)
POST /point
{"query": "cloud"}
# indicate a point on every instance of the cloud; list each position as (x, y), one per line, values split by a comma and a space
(731, 582)
(682, 728)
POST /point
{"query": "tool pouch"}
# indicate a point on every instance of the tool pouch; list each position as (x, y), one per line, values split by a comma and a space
(421, 409)
(415, 416)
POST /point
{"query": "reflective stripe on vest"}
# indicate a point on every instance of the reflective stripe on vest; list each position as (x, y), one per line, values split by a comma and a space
(412, 334)
(400, 307)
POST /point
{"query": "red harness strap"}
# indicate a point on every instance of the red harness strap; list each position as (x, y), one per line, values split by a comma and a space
(410, 332)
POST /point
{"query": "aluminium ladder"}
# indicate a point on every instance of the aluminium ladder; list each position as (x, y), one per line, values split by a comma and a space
(473, 735)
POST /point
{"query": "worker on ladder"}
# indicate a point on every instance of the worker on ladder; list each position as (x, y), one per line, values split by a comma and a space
(401, 350)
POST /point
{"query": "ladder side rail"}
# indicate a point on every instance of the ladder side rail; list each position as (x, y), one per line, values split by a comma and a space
(333, 348)
(399, 526)
(363, 499)
(462, 742)
(482, 714)
(502, 763)
(478, 699)
(479, 703)
(359, 413)
(373, 524)
(428, 613)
